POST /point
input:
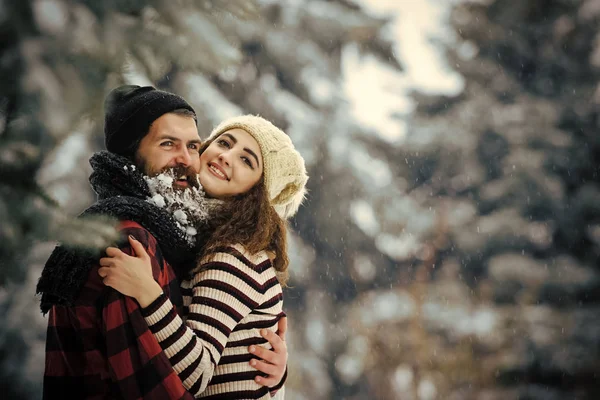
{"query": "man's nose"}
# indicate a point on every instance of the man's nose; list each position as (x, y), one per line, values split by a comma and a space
(184, 157)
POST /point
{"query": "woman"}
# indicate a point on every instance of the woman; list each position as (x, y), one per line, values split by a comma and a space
(236, 290)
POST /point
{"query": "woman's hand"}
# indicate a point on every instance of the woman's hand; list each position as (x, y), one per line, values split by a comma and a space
(131, 276)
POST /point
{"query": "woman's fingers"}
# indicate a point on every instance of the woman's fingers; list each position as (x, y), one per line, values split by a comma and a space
(108, 275)
(106, 261)
(113, 252)
(138, 249)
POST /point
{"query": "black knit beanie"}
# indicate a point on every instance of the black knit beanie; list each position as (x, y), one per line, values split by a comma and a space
(129, 111)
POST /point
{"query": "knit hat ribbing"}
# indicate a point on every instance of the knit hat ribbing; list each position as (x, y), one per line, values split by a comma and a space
(283, 167)
(129, 111)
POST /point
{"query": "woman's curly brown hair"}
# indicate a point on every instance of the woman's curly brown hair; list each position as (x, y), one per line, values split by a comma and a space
(250, 220)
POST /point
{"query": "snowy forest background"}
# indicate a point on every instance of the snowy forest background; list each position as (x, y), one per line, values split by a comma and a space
(450, 245)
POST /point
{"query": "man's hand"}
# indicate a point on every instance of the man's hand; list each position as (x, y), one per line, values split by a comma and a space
(274, 362)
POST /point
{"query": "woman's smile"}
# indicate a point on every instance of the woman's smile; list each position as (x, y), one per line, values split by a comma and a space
(217, 171)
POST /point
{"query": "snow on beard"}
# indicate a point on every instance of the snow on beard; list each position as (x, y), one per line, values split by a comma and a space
(183, 175)
(189, 205)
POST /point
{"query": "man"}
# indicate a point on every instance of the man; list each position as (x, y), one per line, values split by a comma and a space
(98, 344)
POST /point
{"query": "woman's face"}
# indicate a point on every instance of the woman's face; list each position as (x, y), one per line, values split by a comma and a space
(232, 164)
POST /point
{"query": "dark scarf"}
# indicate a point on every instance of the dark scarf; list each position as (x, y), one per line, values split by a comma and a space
(122, 193)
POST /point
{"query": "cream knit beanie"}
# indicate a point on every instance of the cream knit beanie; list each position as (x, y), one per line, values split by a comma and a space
(284, 171)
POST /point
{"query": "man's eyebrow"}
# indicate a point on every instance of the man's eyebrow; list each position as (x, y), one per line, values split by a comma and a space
(174, 139)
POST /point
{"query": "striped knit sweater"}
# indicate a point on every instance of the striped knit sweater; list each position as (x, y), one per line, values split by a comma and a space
(234, 295)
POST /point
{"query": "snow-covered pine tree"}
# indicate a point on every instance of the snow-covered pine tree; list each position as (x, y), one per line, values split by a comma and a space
(280, 59)
(511, 310)
(59, 59)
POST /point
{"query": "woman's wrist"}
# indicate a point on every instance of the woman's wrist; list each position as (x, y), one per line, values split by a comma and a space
(149, 294)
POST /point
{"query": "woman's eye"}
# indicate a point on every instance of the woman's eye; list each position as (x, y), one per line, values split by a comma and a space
(168, 143)
(223, 143)
(247, 161)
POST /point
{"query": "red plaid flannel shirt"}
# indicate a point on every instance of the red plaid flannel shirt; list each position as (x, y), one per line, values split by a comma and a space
(102, 348)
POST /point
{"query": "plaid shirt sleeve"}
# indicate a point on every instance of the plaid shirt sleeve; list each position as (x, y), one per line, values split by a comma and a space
(137, 365)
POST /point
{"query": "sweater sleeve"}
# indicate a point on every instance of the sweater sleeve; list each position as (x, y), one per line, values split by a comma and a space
(223, 295)
(277, 391)
(279, 394)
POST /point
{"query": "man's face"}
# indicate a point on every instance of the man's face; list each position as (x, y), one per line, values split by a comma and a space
(171, 143)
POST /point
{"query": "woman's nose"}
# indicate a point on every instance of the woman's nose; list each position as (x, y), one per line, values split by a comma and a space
(224, 158)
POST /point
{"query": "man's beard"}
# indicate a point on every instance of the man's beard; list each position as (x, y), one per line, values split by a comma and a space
(190, 207)
(176, 172)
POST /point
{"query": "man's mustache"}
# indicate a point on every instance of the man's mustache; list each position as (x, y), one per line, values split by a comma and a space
(181, 170)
